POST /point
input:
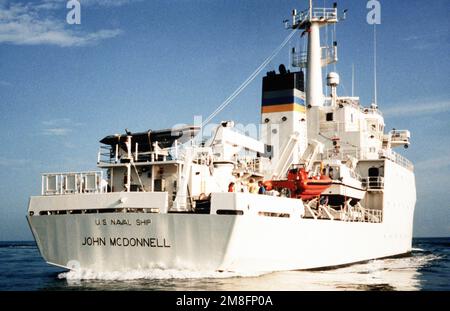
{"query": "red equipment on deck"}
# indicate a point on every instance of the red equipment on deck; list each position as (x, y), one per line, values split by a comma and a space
(300, 185)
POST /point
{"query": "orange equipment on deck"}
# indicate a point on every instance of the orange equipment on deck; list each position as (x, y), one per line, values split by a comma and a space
(299, 185)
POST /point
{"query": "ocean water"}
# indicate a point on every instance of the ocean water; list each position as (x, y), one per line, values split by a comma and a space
(427, 268)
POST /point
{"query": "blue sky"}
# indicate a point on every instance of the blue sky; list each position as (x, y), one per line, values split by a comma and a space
(152, 64)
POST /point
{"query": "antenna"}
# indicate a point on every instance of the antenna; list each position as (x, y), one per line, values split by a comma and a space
(375, 97)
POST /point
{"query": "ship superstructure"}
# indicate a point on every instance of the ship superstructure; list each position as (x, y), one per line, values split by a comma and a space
(334, 192)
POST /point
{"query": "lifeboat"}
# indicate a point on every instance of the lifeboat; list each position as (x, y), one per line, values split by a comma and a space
(299, 186)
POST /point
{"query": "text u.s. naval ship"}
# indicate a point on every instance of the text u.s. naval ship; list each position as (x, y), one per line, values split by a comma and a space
(331, 189)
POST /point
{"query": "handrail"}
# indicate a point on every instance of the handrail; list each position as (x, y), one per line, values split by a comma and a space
(397, 158)
(326, 13)
(401, 160)
(328, 55)
(317, 13)
(373, 183)
(343, 153)
(73, 183)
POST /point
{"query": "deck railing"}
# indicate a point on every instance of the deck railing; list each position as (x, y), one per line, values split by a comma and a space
(373, 216)
(373, 183)
(73, 183)
(328, 14)
(329, 55)
(397, 158)
(401, 160)
(343, 154)
(106, 154)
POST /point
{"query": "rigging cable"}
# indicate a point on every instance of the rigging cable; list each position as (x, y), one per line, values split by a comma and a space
(342, 142)
(375, 96)
(249, 79)
(326, 53)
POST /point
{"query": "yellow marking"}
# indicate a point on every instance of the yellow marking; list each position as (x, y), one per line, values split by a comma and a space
(283, 108)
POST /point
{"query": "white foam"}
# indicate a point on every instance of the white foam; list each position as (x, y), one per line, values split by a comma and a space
(151, 274)
(395, 273)
(411, 262)
(418, 250)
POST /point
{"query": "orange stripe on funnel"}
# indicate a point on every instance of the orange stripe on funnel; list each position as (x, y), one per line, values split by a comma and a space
(283, 108)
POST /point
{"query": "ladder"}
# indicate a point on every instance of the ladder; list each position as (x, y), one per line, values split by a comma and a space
(286, 160)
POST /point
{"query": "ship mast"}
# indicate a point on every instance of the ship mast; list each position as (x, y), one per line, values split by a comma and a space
(317, 56)
(314, 87)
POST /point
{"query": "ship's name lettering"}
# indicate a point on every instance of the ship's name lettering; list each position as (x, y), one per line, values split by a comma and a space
(126, 242)
(122, 222)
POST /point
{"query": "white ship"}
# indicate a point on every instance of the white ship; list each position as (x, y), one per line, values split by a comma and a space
(336, 192)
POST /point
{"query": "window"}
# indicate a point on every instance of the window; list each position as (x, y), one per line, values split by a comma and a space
(374, 172)
(329, 117)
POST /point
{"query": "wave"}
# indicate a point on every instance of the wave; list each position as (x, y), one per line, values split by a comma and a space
(372, 268)
(407, 263)
(18, 245)
(414, 249)
(379, 275)
(150, 274)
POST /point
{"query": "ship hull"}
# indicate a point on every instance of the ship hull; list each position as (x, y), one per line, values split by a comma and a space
(211, 242)
(264, 234)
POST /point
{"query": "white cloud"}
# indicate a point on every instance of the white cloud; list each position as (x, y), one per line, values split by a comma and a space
(35, 24)
(428, 40)
(60, 131)
(436, 35)
(56, 4)
(56, 121)
(50, 4)
(417, 109)
(61, 122)
(59, 127)
(108, 3)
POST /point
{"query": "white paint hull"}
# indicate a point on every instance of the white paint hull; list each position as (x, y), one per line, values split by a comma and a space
(249, 242)
(212, 242)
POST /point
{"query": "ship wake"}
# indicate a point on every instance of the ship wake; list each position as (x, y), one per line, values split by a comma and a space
(382, 274)
(151, 274)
